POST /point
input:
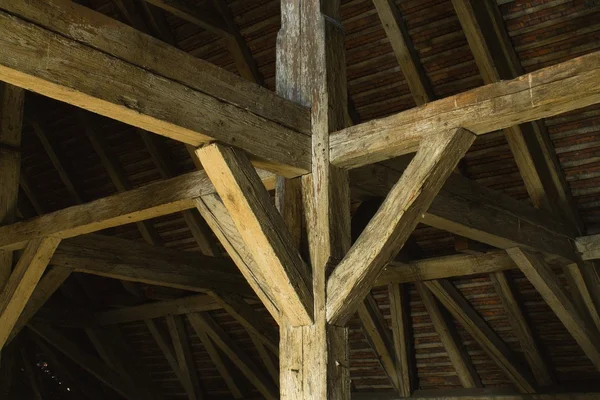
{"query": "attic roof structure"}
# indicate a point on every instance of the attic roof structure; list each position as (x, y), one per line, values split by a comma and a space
(299, 199)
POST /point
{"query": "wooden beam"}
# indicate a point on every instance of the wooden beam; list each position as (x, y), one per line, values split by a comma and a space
(377, 333)
(251, 320)
(476, 326)
(223, 365)
(45, 288)
(138, 262)
(22, 282)
(408, 58)
(161, 107)
(88, 362)
(540, 94)
(530, 143)
(448, 395)
(262, 228)
(589, 247)
(266, 357)
(114, 350)
(444, 326)
(385, 235)
(153, 200)
(156, 309)
(205, 17)
(203, 323)
(548, 285)
(166, 346)
(50, 149)
(467, 209)
(521, 329)
(403, 339)
(184, 357)
(584, 280)
(11, 119)
(217, 217)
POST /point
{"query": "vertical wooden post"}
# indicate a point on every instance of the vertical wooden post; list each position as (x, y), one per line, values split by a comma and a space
(311, 70)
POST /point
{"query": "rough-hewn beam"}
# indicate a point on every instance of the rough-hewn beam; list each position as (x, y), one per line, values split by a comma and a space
(203, 323)
(262, 228)
(11, 119)
(165, 344)
(42, 292)
(377, 333)
(204, 17)
(403, 339)
(393, 223)
(444, 326)
(86, 361)
(583, 280)
(548, 285)
(521, 329)
(544, 93)
(530, 143)
(589, 247)
(397, 33)
(467, 209)
(155, 199)
(159, 108)
(184, 356)
(22, 282)
(138, 262)
(489, 340)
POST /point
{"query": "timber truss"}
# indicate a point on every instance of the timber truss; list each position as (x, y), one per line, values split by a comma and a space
(296, 254)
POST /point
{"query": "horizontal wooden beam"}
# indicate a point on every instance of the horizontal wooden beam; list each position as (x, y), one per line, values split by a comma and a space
(119, 86)
(544, 93)
(204, 17)
(138, 262)
(468, 209)
(448, 395)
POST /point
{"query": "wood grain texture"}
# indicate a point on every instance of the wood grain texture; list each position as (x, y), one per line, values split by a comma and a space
(521, 328)
(11, 119)
(589, 247)
(445, 328)
(45, 288)
(544, 93)
(204, 323)
(153, 200)
(121, 90)
(263, 230)
(530, 143)
(218, 218)
(467, 209)
(548, 285)
(22, 283)
(407, 56)
(393, 223)
(138, 262)
(403, 338)
(584, 280)
(489, 340)
(378, 335)
(88, 362)
(183, 352)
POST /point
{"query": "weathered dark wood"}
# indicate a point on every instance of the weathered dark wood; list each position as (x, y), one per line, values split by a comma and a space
(138, 262)
(185, 359)
(584, 280)
(88, 362)
(263, 230)
(161, 108)
(407, 56)
(548, 285)
(521, 329)
(377, 333)
(22, 282)
(540, 94)
(396, 219)
(204, 17)
(489, 340)
(165, 344)
(589, 247)
(11, 120)
(449, 395)
(204, 323)
(403, 338)
(467, 209)
(449, 337)
(530, 144)
(47, 285)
